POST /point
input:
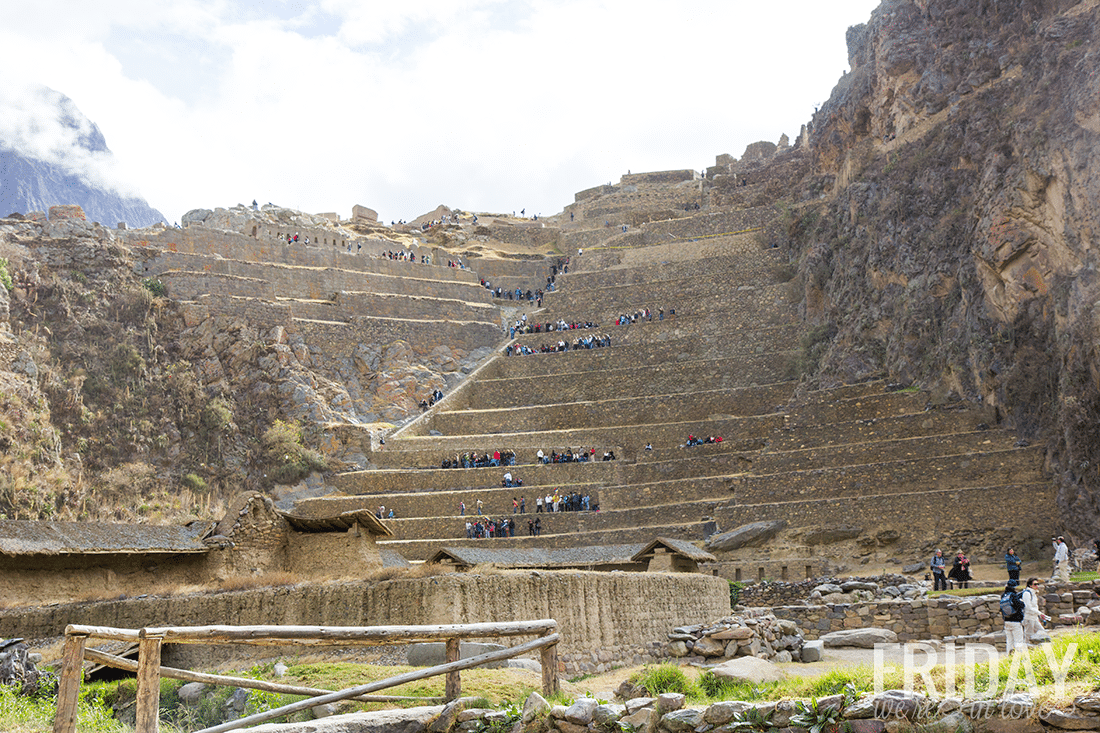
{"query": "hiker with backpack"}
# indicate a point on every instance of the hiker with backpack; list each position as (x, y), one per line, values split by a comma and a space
(1033, 617)
(1012, 610)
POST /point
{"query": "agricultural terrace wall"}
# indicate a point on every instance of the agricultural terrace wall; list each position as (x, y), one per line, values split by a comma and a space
(342, 339)
(594, 191)
(250, 299)
(535, 234)
(660, 232)
(916, 514)
(652, 177)
(491, 269)
(604, 619)
(318, 283)
(217, 242)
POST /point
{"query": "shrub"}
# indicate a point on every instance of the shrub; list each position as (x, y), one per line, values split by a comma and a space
(5, 276)
(291, 460)
(155, 286)
(193, 481)
(663, 678)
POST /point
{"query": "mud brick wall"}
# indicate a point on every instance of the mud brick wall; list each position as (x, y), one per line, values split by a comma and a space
(605, 619)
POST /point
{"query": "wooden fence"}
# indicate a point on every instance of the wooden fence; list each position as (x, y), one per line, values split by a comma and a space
(149, 670)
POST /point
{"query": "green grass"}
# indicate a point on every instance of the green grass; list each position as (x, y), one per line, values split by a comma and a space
(1092, 575)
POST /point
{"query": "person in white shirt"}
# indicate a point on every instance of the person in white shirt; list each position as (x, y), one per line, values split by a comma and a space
(1033, 617)
(1061, 560)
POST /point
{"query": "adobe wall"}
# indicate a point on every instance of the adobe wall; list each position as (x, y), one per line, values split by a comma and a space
(53, 578)
(604, 618)
(336, 554)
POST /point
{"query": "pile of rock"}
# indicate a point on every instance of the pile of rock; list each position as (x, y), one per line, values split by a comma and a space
(765, 636)
(17, 668)
(856, 590)
(816, 591)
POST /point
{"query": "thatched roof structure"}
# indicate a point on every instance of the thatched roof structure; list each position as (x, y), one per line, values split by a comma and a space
(628, 556)
(21, 537)
(537, 557)
(678, 547)
(338, 522)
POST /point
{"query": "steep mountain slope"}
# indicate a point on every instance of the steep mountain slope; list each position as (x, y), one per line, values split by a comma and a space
(61, 167)
(955, 245)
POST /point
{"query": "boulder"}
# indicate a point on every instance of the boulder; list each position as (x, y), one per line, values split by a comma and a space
(708, 646)
(737, 632)
(747, 535)
(669, 701)
(721, 713)
(678, 649)
(831, 533)
(850, 585)
(828, 589)
(581, 711)
(682, 721)
(534, 706)
(863, 638)
(192, 693)
(813, 651)
(748, 669)
(606, 714)
(641, 721)
(1070, 720)
(638, 703)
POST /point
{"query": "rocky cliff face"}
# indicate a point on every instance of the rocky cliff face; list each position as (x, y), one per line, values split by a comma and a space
(956, 243)
(31, 182)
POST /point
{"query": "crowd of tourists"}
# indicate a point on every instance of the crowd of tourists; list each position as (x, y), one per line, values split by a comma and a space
(692, 440)
(523, 326)
(581, 342)
(645, 314)
(584, 455)
(480, 460)
(405, 256)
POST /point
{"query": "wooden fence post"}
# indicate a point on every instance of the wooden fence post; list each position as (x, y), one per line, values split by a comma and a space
(548, 655)
(148, 684)
(453, 684)
(68, 688)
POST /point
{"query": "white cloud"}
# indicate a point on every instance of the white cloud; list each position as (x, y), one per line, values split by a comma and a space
(483, 104)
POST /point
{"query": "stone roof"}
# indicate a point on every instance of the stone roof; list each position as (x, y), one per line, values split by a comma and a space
(681, 547)
(539, 557)
(21, 537)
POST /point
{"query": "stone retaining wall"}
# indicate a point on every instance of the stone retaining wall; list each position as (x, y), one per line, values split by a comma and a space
(927, 618)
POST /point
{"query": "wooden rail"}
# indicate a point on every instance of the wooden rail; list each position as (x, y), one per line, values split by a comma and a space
(149, 669)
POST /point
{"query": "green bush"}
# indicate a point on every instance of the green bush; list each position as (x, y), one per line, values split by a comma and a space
(5, 276)
(718, 688)
(155, 286)
(193, 481)
(663, 678)
(291, 460)
(736, 586)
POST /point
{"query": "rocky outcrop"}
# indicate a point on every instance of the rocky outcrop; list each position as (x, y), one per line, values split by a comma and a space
(953, 250)
(762, 636)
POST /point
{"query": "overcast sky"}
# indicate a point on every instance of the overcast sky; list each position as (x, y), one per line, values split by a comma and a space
(402, 105)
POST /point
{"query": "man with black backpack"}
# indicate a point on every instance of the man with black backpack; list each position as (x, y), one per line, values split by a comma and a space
(1012, 609)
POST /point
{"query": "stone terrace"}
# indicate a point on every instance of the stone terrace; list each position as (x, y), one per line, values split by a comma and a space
(887, 460)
